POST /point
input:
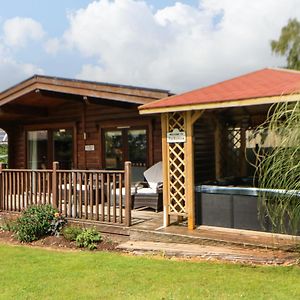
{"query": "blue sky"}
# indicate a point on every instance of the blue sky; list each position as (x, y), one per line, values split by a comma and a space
(177, 45)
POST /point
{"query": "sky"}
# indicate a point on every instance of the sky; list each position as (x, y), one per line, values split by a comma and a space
(174, 45)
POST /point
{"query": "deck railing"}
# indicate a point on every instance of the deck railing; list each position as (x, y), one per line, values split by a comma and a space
(99, 195)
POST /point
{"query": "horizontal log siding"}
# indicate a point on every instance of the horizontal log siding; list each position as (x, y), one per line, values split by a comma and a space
(16, 140)
(95, 116)
(204, 149)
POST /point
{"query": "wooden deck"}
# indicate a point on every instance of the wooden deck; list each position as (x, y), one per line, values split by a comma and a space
(148, 226)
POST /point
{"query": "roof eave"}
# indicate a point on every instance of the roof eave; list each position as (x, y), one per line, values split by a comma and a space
(222, 104)
(38, 82)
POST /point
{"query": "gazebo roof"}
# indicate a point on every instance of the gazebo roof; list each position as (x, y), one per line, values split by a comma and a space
(260, 87)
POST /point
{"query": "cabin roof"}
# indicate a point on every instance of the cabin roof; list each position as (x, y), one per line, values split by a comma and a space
(88, 89)
(259, 87)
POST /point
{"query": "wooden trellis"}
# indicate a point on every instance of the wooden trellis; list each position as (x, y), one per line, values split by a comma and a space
(176, 151)
(230, 149)
(233, 151)
(178, 162)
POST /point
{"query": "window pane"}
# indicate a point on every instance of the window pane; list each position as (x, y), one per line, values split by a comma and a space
(113, 149)
(63, 148)
(137, 152)
(137, 147)
(37, 142)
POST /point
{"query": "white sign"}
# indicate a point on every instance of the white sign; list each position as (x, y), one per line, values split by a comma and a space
(89, 147)
(176, 136)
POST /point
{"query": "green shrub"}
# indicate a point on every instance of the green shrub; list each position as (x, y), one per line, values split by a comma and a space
(88, 238)
(8, 224)
(38, 221)
(70, 233)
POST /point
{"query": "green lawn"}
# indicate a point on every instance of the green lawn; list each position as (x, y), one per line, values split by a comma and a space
(27, 273)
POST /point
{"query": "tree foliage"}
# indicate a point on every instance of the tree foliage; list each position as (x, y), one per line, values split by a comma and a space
(278, 169)
(288, 44)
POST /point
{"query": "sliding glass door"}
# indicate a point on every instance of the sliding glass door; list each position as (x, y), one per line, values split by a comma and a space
(37, 149)
(129, 144)
(114, 149)
(63, 148)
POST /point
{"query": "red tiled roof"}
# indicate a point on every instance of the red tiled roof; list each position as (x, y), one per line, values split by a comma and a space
(258, 84)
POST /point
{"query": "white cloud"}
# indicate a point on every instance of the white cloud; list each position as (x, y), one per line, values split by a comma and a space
(19, 31)
(178, 47)
(52, 46)
(13, 70)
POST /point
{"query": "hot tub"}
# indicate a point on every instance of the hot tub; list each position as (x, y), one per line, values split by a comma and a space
(231, 207)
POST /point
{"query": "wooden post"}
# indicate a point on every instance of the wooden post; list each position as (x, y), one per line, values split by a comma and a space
(165, 161)
(54, 183)
(189, 170)
(127, 193)
(1, 187)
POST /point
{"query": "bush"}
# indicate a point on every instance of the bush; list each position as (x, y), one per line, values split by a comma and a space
(88, 238)
(8, 224)
(38, 221)
(70, 233)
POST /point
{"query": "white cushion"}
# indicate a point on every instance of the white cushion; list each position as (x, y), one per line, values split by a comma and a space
(154, 175)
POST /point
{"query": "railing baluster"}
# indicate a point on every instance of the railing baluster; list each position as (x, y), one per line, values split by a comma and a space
(4, 180)
(39, 188)
(59, 192)
(48, 192)
(97, 196)
(91, 194)
(7, 191)
(108, 196)
(80, 195)
(70, 195)
(114, 210)
(43, 188)
(102, 197)
(22, 190)
(86, 196)
(120, 199)
(75, 195)
(65, 193)
(14, 191)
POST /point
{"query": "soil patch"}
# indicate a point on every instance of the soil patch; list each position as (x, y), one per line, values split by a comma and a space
(59, 242)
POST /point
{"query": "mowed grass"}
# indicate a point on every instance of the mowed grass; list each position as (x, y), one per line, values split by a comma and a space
(27, 273)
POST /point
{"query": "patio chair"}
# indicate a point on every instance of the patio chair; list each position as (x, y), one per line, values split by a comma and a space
(145, 194)
(149, 194)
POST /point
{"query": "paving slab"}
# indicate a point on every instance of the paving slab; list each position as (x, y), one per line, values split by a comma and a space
(235, 254)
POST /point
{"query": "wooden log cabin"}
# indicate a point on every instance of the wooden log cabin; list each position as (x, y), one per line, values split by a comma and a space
(80, 124)
(77, 145)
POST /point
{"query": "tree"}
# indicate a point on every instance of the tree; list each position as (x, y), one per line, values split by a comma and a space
(278, 168)
(288, 44)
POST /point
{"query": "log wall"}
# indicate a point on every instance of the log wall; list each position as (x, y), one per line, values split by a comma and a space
(95, 117)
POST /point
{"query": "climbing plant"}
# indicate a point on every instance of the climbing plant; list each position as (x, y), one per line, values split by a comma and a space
(278, 168)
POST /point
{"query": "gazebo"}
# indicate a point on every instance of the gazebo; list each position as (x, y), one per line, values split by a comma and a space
(204, 131)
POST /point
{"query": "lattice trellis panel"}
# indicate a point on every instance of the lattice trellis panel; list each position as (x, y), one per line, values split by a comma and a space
(177, 192)
(233, 151)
